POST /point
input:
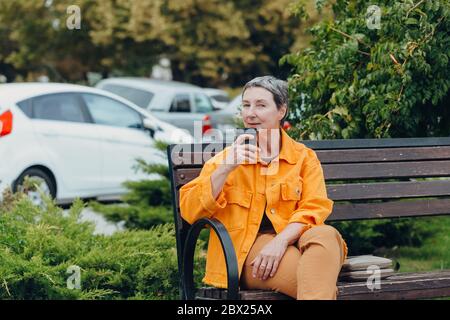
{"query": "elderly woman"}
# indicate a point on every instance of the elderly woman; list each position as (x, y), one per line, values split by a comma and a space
(272, 199)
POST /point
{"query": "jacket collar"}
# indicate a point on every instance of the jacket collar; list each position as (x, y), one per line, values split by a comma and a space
(288, 148)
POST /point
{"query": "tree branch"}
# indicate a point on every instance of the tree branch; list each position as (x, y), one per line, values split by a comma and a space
(415, 6)
(348, 36)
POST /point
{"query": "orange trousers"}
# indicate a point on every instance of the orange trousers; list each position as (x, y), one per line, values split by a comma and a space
(309, 268)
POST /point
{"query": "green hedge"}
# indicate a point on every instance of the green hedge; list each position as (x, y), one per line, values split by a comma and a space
(38, 245)
(353, 81)
(374, 236)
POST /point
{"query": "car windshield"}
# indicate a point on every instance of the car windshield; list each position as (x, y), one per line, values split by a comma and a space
(202, 103)
(139, 97)
(220, 98)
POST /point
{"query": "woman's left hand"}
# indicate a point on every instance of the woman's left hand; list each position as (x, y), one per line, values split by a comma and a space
(267, 261)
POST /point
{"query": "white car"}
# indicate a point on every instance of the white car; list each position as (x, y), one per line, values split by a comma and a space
(77, 141)
(219, 98)
(184, 105)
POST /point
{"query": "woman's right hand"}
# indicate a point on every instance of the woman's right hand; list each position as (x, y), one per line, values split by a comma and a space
(237, 154)
(240, 153)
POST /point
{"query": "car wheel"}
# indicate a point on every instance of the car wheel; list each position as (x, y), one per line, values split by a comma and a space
(42, 179)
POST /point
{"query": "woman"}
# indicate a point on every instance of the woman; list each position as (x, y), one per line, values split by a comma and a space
(272, 199)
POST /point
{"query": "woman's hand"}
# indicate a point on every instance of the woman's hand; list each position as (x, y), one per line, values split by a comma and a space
(267, 261)
(237, 154)
(240, 153)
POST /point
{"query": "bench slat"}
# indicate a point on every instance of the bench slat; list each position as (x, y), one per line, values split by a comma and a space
(334, 144)
(388, 190)
(196, 159)
(183, 176)
(391, 209)
(394, 209)
(208, 293)
(383, 155)
(401, 286)
(386, 170)
(356, 211)
(376, 143)
(355, 171)
(420, 285)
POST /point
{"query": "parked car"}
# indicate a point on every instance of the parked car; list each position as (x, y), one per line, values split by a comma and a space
(182, 105)
(234, 107)
(76, 141)
(219, 98)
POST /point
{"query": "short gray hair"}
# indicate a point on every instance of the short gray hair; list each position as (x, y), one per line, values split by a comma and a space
(277, 87)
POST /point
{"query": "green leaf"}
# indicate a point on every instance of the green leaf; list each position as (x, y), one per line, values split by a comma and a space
(411, 21)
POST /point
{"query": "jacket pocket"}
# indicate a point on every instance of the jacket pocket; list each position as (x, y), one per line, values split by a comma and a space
(291, 194)
(234, 215)
(240, 197)
(291, 191)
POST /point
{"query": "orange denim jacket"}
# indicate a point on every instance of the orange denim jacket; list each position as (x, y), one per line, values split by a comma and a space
(292, 185)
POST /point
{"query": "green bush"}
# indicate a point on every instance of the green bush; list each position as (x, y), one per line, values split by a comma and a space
(359, 82)
(368, 237)
(37, 245)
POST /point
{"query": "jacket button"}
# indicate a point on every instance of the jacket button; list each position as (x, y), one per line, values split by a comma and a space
(272, 211)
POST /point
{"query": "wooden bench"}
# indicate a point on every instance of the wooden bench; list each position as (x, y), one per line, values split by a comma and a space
(377, 178)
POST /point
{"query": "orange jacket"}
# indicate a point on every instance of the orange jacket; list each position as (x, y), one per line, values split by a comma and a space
(292, 185)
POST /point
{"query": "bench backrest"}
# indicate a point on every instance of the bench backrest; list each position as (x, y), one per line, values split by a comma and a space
(366, 178)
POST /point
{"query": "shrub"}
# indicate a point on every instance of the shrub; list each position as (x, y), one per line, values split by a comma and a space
(360, 82)
(367, 237)
(37, 245)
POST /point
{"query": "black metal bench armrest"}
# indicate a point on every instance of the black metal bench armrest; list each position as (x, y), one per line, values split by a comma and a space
(187, 274)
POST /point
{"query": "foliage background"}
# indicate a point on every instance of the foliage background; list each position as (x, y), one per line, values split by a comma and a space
(356, 82)
(209, 42)
(37, 245)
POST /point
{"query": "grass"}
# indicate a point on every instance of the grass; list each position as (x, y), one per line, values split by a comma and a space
(433, 254)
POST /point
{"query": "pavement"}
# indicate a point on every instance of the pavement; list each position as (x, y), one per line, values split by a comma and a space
(102, 226)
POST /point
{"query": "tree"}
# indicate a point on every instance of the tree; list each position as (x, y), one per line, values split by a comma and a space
(355, 81)
(38, 41)
(209, 42)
